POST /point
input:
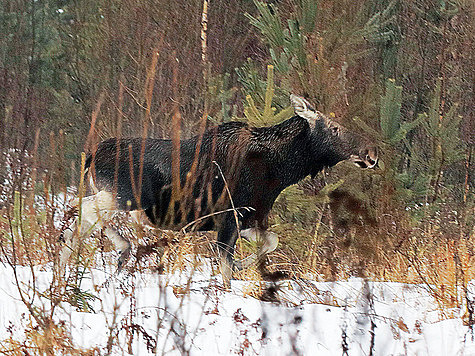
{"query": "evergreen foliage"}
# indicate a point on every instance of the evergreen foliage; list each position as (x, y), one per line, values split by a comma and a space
(268, 115)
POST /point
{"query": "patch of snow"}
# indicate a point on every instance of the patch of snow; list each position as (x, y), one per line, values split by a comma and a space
(317, 318)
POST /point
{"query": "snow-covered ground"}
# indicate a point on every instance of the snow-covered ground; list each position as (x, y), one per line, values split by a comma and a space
(175, 314)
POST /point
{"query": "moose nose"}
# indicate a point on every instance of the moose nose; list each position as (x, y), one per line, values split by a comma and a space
(367, 158)
(370, 156)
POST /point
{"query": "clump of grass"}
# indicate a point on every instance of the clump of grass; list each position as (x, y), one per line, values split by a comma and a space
(53, 340)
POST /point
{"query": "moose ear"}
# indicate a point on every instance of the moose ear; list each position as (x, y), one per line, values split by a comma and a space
(299, 104)
(303, 109)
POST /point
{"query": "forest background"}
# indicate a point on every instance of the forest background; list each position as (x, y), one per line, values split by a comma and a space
(401, 72)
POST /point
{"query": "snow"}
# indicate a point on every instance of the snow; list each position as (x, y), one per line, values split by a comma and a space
(190, 312)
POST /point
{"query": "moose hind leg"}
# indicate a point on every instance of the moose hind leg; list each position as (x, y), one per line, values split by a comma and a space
(104, 208)
(70, 244)
(96, 210)
(120, 243)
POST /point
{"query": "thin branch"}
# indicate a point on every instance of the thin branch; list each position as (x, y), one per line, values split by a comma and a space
(230, 199)
(213, 214)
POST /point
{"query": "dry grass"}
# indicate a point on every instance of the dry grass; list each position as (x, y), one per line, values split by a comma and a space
(53, 340)
(444, 267)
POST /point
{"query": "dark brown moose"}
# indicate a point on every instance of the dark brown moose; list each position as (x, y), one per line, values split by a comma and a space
(230, 186)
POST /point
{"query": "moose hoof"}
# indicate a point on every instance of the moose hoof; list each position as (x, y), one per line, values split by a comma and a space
(123, 258)
(237, 265)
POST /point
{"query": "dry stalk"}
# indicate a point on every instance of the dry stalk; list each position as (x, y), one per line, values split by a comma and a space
(176, 135)
(132, 175)
(34, 171)
(149, 84)
(118, 136)
(91, 139)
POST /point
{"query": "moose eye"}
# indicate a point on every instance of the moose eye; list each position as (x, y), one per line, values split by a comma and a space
(335, 130)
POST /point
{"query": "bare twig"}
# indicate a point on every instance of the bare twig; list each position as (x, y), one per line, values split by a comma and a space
(230, 199)
(213, 214)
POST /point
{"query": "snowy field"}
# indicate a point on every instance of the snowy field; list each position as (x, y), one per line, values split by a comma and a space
(189, 313)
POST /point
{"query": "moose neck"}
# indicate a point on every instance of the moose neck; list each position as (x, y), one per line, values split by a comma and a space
(291, 150)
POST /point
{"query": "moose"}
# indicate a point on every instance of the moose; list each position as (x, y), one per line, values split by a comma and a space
(225, 180)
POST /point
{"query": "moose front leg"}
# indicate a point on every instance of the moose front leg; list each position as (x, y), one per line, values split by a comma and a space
(267, 242)
(226, 243)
